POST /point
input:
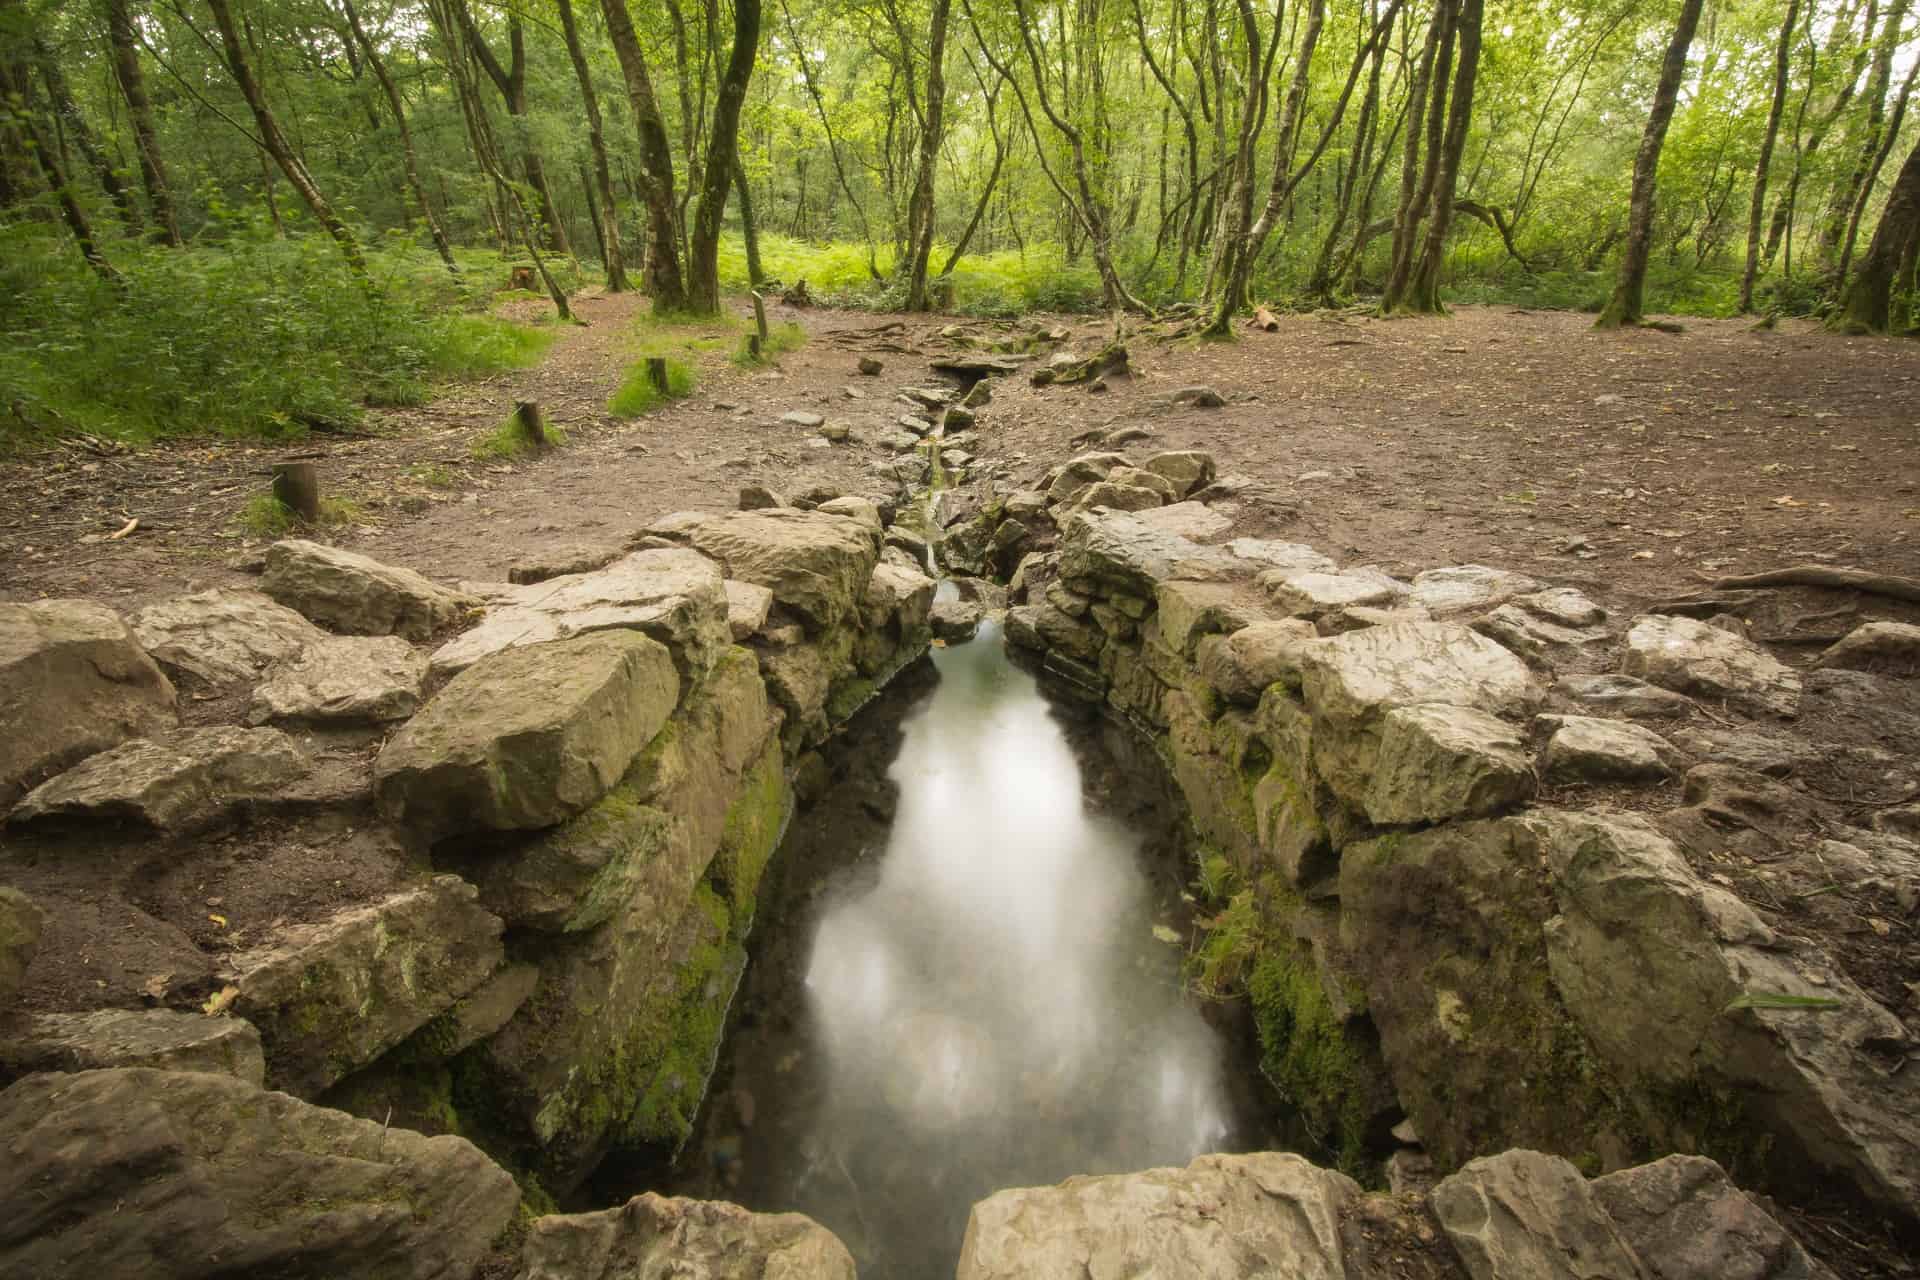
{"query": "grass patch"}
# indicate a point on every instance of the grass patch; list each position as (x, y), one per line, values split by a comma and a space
(432, 475)
(638, 394)
(781, 338)
(268, 517)
(507, 441)
(464, 346)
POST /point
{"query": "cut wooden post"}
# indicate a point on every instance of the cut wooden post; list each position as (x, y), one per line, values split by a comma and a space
(760, 317)
(657, 373)
(526, 417)
(297, 487)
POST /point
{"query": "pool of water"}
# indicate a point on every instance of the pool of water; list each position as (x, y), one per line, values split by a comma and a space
(966, 976)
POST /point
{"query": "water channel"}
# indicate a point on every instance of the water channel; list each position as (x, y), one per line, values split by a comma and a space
(966, 977)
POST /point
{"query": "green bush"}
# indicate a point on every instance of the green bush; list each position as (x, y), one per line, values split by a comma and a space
(637, 394)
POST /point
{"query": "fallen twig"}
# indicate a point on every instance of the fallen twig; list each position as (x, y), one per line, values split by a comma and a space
(1814, 575)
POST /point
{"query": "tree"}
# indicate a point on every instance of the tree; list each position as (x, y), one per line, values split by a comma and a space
(1867, 305)
(132, 82)
(703, 258)
(1781, 53)
(511, 81)
(597, 141)
(920, 208)
(665, 282)
(410, 164)
(1628, 300)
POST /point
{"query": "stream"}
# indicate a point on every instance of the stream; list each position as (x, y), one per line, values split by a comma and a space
(966, 977)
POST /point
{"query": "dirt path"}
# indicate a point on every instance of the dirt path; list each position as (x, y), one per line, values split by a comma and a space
(1635, 464)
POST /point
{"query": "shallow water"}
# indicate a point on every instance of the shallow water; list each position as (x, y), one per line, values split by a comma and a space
(984, 990)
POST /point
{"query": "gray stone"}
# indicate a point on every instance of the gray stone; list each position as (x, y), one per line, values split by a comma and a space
(21, 923)
(1190, 610)
(1118, 497)
(816, 564)
(1261, 554)
(1192, 520)
(1687, 1221)
(344, 678)
(333, 996)
(1066, 483)
(223, 636)
(163, 1039)
(172, 1175)
(1120, 552)
(481, 1012)
(356, 594)
(528, 737)
(1691, 657)
(869, 367)
(1264, 1214)
(652, 1235)
(562, 561)
(1436, 763)
(180, 780)
(747, 607)
(1775, 755)
(1199, 397)
(1535, 627)
(1241, 665)
(73, 681)
(674, 595)
(954, 621)
(1188, 469)
(1876, 646)
(1523, 1215)
(1589, 749)
(865, 510)
(1624, 695)
(1563, 605)
(757, 497)
(1023, 628)
(1312, 595)
(801, 418)
(1135, 478)
(1468, 586)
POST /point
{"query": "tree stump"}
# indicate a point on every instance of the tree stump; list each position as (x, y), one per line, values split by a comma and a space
(296, 486)
(657, 373)
(528, 422)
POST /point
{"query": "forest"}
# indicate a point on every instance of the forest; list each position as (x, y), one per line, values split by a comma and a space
(256, 215)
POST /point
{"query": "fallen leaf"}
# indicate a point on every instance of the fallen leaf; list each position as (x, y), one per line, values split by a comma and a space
(217, 919)
(156, 986)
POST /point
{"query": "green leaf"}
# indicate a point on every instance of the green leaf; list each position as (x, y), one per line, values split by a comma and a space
(1780, 1000)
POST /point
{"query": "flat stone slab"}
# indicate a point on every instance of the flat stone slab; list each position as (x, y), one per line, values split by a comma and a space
(528, 737)
(1122, 552)
(1189, 470)
(1692, 657)
(357, 594)
(73, 681)
(163, 1039)
(815, 564)
(674, 595)
(653, 1235)
(223, 636)
(1625, 695)
(1591, 749)
(1192, 520)
(747, 607)
(563, 561)
(1876, 646)
(1466, 587)
(1310, 595)
(344, 680)
(180, 780)
(802, 418)
(1262, 554)
(1437, 763)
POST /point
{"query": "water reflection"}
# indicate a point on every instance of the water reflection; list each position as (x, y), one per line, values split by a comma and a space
(988, 1008)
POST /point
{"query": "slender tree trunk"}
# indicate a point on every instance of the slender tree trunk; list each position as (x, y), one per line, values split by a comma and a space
(13, 91)
(609, 220)
(511, 81)
(812, 87)
(1428, 73)
(276, 142)
(64, 106)
(1629, 293)
(1866, 306)
(1782, 52)
(1840, 200)
(664, 279)
(1888, 137)
(1424, 296)
(749, 225)
(993, 179)
(723, 144)
(1785, 207)
(920, 208)
(408, 161)
(133, 86)
(1320, 280)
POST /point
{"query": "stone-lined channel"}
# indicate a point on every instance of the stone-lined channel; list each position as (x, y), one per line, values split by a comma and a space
(967, 976)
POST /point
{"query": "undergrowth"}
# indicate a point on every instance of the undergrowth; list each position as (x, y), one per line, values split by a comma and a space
(781, 338)
(638, 394)
(267, 517)
(507, 441)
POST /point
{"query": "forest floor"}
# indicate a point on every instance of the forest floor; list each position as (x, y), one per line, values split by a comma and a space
(1635, 465)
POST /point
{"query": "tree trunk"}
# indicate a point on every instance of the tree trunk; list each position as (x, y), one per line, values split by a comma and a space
(407, 158)
(1629, 293)
(13, 89)
(920, 207)
(749, 225)
(1424, 294)
(64, 106)
(511, 80)
(133, 86)
(1428, 73)
(1840, 200)
(276, 142)
(1866, 306)
(664, 279)
(1782, 51)
(723, 143)
(1888, 137)
(609, 219)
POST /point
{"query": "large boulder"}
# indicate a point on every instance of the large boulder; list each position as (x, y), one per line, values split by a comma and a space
(692, 1239)
(222, 636)
(179, 780)
(1467, 586)
(1687, 1221)
(1522, 1215)
(1591, 749)
(1876, 646)
(73, 681)
(529, 736)
(1690, 656)
(1221, 1217)
(815, 564)
(344, 679)
(674, 595)
(334, 996)
(21, 922)
(1438, 762)
(173, 1175)
(357, 594)
(1116, 551)
(164, 1039)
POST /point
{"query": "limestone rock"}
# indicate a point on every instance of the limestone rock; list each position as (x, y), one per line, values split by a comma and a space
(528, 737)
(815, 564)
(223, 636)
(1468, 586)
(1193, 520)
(1876, 646)
(1188, 469)
(690, 1239)
(1312, 595)
(865, 510)
(72, 682)
(1199, 397)
(1624, 695)
(1066, 483)
(1262, 554)
(1547, 627)
(21, 921)
(1436, 763)
(801, 418)
(747, 607)
(1136, 478)
(1264, 1214)
(1190, 610)
(180, 780)
(1241, 665)
(1692, 657)
(674, 595)
(562, 561)
(180, 1175)
(344, 678)
(1119, 497)
(758, 497)
(1522, 1215)
(356, 594)
(1023, 628)
(1589, 749)
(334, 996)
(164, 1039)
(1121, 552)
(954, 621)
(1687, 1221)
(1775, 755)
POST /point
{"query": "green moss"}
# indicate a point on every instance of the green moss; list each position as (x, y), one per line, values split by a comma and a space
(1305, 1052)
(752, 832)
